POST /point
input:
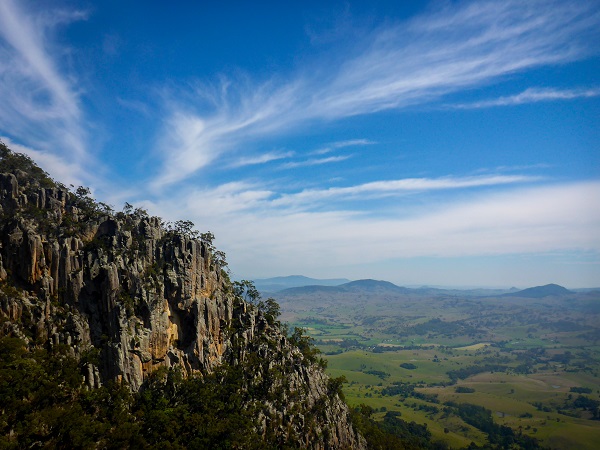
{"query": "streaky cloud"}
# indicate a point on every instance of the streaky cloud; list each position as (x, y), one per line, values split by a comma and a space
(244, 196)
(458, 47)
(532, 95)
(527, 219)
(261, 159)
(315, 162)
(351, 143)
(40, 103)
(342, 144)
(373, 189)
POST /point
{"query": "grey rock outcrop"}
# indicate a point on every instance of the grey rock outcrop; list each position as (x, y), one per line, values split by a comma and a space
(128, 296)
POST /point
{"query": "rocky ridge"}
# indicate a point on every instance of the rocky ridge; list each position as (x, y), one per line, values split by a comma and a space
(127, 295)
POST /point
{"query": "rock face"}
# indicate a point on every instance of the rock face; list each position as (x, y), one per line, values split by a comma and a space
(129, 295)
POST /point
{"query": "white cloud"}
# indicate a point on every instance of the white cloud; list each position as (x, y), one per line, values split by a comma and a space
(39, 102)
(315, 162)
(375, 189)
(259, 236)
(342, 144)
(459, 47)
(351, 143)
(533, 95)
(244, 196)
(226, 200)
(261, 159)
(529, 220)
(188, 143)
(522, 167)
(193, 141)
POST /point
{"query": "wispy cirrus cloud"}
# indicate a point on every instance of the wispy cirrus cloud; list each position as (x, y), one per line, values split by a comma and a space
(250, 196)
(461, 46)
(193, 140)
(315, 161)
(342, 144)
(261, 159)
(525, 167)
(532, 95)
(527, 219)
(351, 143)
(40, 103)
(398, 187)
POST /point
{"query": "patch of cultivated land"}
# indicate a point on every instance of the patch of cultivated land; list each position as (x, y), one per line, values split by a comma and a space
(534, 364)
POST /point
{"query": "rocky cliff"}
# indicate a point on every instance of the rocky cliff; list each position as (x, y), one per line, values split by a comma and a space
(127, 295)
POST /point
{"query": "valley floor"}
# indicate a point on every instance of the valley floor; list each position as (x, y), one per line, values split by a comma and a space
(533, 366)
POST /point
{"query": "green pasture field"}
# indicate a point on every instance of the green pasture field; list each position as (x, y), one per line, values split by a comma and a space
(508, 396)
(536, 353)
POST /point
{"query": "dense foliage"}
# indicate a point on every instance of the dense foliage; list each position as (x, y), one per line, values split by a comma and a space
(499, 436)
(44, 404)
(392, 433)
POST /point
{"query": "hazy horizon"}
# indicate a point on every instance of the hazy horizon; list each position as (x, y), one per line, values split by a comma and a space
(418, 285)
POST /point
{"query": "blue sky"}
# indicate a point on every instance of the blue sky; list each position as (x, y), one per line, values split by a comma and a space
(440, 143)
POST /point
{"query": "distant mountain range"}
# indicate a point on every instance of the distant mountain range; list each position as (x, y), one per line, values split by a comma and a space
(359, 286)
(280, 283)
(540, 291)
(300, 285)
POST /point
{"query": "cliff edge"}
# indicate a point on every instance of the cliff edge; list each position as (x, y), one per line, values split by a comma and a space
(127, 295)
